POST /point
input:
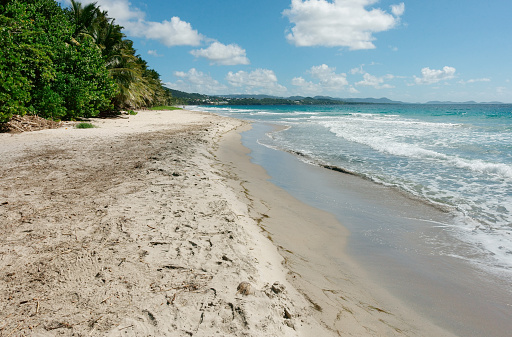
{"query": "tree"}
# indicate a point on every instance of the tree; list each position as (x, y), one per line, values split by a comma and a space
(67, 64)
(24, 60)
(137, 86)
(83, 82)
(82, 18)
(47, 71)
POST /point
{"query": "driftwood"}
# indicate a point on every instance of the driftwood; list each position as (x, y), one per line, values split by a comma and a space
(19, 124)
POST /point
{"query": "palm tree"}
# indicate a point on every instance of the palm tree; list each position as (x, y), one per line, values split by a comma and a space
(137, 85)
(83, 18)
(127, 73)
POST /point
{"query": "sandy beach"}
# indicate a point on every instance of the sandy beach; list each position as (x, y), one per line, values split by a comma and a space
(159, 225)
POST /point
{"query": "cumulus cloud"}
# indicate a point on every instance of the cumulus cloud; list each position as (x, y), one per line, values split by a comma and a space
(327, 80)
(259, 81)
(398, 10)
(170, 33)
(121, 10)
(341, 23)
(196, 81)
(306, 87)
(353, 90)
(431, 76)
(222, 54)
(376, 82)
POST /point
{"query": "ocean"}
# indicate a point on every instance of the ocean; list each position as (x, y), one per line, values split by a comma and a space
(455, 156)
(456, 159)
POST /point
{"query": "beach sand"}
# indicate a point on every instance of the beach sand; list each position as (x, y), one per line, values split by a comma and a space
(159, 225)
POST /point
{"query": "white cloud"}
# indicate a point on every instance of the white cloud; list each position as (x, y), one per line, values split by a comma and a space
(154, 53)
(170, 33)
(353, 90)
(196, 81)
(306, 87)
(341, 23)
(121, 10)
(398, 10)
(474, 80)
(259, 81)
(358, 70)
(328, 78)
(222, 54)
(327, 81)
(376, 82)
(430, 76)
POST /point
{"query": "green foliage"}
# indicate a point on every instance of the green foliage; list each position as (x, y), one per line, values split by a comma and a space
(84, 82)
(131, 112)
(67, 64)
(43, 70)
(137, 85)
(260, 101)
(24, 60)
(82, 18)
(164, 107)
(84, 125)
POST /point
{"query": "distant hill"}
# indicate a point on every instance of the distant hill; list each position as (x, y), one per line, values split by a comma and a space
(382, 100)
(247, 99)
(182, 94)
(251, 96)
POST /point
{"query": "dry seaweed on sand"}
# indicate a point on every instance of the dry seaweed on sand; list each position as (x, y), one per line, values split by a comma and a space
(19, 124)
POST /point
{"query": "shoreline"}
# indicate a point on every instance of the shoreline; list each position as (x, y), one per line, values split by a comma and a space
(160, 224)
(342, 296)
(387, 240)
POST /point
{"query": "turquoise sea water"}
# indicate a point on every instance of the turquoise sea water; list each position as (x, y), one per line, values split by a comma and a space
(458, 157)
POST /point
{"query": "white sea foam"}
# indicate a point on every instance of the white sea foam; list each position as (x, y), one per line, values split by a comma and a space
(386, 120)
(495, 244)
(282, 114)
(459, 163)
(477, 165)
(437, 169)
(384, 141)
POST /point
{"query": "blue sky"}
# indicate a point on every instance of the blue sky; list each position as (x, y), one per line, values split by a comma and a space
(413, 51)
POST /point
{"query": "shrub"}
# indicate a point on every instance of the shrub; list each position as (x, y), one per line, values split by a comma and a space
(84, 125)
(165, 107)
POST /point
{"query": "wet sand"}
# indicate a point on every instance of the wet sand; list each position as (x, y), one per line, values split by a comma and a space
(313, 243)
(402, 244)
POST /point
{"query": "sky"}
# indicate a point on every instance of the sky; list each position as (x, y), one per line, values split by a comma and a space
(406, 50)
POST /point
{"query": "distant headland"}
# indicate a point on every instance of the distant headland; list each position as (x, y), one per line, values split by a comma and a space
(247, 99)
